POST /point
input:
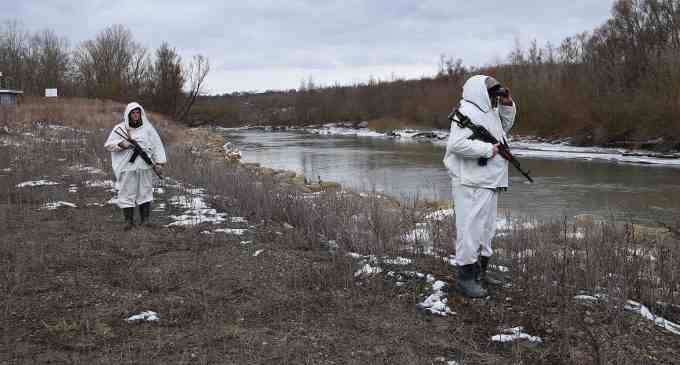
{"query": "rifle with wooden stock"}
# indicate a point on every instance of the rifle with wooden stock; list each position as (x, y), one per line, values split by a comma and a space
(482, 134)
(138, 151)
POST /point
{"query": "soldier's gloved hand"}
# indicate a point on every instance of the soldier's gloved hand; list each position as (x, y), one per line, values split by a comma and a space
(124, 145)
(495, 150)
(507, 100)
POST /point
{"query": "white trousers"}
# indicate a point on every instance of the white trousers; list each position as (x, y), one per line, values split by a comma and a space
(134, 188)
(476, 210)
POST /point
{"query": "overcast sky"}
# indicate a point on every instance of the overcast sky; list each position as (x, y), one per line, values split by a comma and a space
(266, 44)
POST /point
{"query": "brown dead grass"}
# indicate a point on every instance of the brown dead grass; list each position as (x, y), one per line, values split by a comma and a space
(69, 278)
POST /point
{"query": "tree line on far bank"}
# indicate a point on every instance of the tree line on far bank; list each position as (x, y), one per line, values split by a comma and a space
(110, 66)
(618, 84)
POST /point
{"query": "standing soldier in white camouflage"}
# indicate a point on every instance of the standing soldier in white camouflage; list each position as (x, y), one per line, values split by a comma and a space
(137, 153)
(478, 174)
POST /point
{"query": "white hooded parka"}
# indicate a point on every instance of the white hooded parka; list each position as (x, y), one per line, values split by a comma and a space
(474, 186)
(462, 153)
(147, 137)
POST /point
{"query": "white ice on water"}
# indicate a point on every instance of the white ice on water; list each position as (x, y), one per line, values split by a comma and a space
(522, 147)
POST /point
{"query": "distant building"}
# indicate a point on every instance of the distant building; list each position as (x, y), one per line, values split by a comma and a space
(7, 93)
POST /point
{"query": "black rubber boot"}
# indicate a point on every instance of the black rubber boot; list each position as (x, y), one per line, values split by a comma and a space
(483, 276)
(144, 213)
(129, 214)
(467, 284)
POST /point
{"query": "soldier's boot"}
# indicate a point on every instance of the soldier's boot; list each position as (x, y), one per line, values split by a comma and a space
(144, 213)
(466, 283)
(129, 214)
(483, 274)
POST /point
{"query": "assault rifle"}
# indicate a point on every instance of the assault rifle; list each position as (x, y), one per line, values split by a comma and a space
(482, 134)
(138, 151)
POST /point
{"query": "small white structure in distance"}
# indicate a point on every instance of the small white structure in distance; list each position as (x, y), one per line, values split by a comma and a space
(8, 96)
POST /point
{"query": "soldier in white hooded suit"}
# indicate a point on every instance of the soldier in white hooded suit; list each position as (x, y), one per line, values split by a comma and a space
(134, 180)
(475, 185)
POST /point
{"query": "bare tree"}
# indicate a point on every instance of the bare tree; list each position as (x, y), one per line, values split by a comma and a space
(196, 74)
(104, 63)
(167, 80)
(13, 48)
(48, 59)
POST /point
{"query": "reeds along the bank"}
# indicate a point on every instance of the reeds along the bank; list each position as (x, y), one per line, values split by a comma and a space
(556, 260)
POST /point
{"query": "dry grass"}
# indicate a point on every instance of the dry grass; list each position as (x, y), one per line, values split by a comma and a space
(69, 277)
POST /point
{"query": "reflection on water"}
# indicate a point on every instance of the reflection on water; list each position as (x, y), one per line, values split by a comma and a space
(562, 187)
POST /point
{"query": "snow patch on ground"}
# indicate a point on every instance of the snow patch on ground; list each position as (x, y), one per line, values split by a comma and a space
(99, 183)
(507, 223)
(397, 261)
(436, 302)
(197, 217)
(422, 233)
(36, 183)
(196, 210)
(87, 169)
(188, 202)
(234, 231)
(440, 215)
(515, 333)
(641, 309)
(56, 205)
(636, 307)
(144, 316)
(367, 269)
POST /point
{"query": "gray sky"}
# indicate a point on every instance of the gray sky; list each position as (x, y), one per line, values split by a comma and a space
(266, 44)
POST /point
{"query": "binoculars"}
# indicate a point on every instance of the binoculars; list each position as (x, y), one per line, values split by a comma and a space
(499, 92)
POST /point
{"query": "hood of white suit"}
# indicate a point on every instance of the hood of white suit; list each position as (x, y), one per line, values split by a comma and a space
(130, 107)
(475, 91)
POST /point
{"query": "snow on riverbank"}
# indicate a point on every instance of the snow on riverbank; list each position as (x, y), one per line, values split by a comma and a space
(521, 146)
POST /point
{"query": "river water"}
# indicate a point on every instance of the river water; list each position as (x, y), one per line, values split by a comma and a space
(564, 187)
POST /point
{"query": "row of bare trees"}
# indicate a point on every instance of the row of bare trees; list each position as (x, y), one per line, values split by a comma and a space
(110, 66)
(619, 83)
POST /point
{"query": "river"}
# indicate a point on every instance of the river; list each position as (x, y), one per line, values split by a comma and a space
(564, 186)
